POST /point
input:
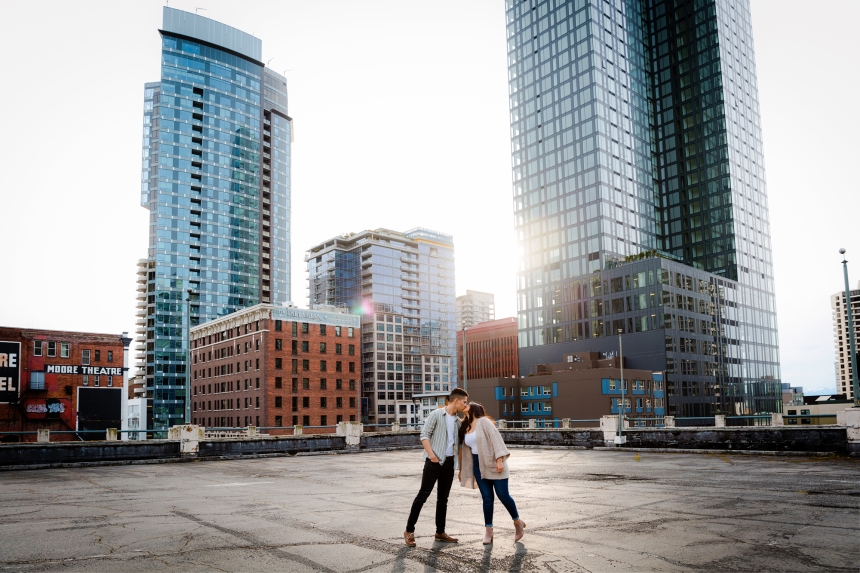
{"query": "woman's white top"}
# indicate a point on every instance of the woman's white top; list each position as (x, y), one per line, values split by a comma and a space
(471, 441)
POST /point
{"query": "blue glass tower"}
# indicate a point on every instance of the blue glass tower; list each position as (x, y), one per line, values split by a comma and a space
(216, 181)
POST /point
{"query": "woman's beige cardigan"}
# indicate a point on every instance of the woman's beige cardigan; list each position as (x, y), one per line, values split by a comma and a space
(490, 446)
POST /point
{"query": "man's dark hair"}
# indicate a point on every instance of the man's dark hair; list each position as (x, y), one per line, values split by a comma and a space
(458, 393)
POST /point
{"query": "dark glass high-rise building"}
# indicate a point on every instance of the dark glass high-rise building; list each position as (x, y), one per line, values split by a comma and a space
(216, 181)
(639, 194)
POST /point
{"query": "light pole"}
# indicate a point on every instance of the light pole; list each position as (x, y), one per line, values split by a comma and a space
(853, 347)
(465, 374)
(622, 409)
(188, 358)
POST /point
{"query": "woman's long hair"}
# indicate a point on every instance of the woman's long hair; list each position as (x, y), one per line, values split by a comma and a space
(475, 411)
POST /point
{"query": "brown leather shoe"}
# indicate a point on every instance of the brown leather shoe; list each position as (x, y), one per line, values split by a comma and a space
(445, 538)
(409, 538)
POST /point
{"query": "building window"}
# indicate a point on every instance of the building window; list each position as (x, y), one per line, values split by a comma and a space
(306, 384)
(352, 402)
(323, 420)
(98, 355)
(278, 326)
(337, 331)
(305, 346)
(65, 350)
(305, 328)
(352, 349)
(279, 420)
(306, 420)
(323, 366)
(295, 329)
(339, 419)
(338, 349)
(37, 380)
(306, 402)
(96, 380)
(322, 330)
(295, 385)
(306, 365)
(338, 402)
(322, 348)
(110, 355)
(278, 402)
(352, 366)
(352, 384)
(86, 380)
(295, 404)
(338, 366)
(279, 344)
(279, 364)
(278, 382)
(37, 348)
(323, 402)
(323, 383)
(52, 348)
(85, 357)
(350, 332)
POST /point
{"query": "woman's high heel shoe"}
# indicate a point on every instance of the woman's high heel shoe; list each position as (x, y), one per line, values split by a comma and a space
(519, 526)
(488, 536)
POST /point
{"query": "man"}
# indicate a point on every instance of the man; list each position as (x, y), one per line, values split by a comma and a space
(439, 438)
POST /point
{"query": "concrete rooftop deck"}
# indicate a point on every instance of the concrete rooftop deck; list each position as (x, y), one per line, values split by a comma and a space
(587, 511)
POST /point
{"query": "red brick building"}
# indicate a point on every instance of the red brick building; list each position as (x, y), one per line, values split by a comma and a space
(491, 349)
(270, 366)
(60, 381)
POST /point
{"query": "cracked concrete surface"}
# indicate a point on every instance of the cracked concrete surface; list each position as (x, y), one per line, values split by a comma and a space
(587, 511)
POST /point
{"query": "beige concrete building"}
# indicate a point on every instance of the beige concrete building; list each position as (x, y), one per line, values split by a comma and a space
(819, 409)
(474, 307)
(840, 338)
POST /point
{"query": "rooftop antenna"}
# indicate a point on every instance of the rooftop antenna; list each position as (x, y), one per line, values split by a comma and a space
(270, 59)
(196, 9)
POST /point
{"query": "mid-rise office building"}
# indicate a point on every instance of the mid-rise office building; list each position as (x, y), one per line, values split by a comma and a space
(839, 307)
(491, 350)
(276, 366)
(216, 181)
(402, 286)
(636, 148)
(474, 307)
(584, 387)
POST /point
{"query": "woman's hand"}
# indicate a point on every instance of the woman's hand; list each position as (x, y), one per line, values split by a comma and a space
(500, 465)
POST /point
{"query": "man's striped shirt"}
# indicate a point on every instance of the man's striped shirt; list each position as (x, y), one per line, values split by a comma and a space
(436, 430)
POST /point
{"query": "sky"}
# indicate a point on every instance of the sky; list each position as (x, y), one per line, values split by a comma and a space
(401, 120)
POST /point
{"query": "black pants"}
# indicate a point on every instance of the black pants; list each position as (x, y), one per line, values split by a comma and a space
(444, 473)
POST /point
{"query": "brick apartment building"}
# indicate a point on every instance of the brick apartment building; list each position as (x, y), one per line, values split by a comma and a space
(271, 366)
(61, 381)
(585, 386)
(491, 349)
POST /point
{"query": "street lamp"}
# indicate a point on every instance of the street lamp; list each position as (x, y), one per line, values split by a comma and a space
(853, 347)
(188, 358)
(620, 439)
(465, 374)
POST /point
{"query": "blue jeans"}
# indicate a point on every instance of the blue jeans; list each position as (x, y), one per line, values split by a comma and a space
(485, 486)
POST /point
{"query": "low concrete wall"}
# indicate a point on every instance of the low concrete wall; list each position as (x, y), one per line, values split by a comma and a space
(238, 447)
(390, 440)
(578, 437)
(23, 454)
(762, 438)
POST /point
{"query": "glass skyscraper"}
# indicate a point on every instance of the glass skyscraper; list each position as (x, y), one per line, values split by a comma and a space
(216, 181)
(636, 152)
(402, 285)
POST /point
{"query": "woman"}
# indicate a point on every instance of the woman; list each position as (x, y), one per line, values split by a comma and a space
(483, 465)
